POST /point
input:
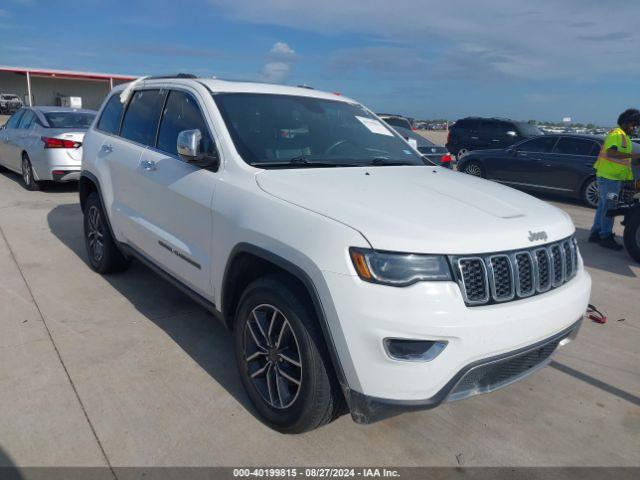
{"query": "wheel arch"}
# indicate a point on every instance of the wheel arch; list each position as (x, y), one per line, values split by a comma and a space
(246, 263)
(86, 186)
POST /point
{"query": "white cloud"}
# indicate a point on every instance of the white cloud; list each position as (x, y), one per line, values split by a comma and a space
(279, 63)
(282, 52)
(276, 72)
(512, 38)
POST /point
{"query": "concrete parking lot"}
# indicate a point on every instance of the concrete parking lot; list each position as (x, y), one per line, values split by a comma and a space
(125, 370)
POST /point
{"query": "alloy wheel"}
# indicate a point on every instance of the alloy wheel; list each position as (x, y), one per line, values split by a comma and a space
(272, 356)
(95, 233)
(591, 193)
(473, 169)
(461, 153)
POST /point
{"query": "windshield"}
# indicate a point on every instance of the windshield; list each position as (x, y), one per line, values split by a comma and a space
(10, 97)
(270, 130)
(528, 130)
(69, 119)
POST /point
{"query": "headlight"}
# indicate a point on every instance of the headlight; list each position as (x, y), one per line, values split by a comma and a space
(399, 269)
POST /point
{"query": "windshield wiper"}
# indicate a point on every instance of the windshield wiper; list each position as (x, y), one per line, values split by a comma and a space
(297, 162)
(385, 162)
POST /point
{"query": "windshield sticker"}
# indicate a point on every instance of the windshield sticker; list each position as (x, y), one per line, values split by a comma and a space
(413, 142)
(374, 126)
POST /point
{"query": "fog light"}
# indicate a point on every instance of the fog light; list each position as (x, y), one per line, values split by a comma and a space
(413, 350)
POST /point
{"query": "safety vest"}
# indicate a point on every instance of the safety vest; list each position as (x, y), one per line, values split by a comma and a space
(610, 168)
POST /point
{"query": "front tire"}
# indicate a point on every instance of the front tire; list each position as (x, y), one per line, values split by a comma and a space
(103, 252)
(282, 358)
(590, 193)
(28, 181)
(631, 235)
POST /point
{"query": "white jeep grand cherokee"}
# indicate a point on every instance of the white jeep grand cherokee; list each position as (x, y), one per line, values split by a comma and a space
(351, 274)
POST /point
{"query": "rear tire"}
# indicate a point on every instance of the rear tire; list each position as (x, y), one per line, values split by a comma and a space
(589, 193)
(474, 168)
(28, 181)
(282, 358)
(103, 252)
(631, 235)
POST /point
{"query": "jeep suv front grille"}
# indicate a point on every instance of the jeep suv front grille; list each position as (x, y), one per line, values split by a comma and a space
(505, 276)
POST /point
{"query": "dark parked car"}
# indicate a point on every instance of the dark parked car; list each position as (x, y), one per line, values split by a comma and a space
(396, 120)
(474, 133)
(561, 164)
(435, 153)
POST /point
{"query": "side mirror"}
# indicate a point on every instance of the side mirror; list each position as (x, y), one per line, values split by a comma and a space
(188, 146)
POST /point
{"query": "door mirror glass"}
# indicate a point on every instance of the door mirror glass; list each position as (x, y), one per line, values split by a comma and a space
(188, 146)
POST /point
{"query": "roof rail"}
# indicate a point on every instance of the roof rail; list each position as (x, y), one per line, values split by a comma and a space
(173, 75)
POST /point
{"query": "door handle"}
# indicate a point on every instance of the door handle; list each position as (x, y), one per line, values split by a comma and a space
(474, 138)
(148, 165)
(107, 148)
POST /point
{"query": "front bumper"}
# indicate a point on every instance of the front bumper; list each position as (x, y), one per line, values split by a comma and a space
(483, 376)
(435, 311)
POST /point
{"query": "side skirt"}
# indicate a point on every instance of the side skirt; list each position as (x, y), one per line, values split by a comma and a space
(196, 297)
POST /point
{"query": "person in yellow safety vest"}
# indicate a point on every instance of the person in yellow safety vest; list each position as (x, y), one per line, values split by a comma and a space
(613, 167)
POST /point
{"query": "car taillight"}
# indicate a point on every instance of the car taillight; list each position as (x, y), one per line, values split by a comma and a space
(59, 143)
(445, 158)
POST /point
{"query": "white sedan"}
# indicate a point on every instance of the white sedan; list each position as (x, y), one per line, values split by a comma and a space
(44, 143)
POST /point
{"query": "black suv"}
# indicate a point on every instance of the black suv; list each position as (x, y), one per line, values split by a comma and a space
(474, 133)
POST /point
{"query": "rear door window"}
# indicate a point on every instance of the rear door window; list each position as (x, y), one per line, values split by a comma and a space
(15, 119)
(141, 118)
(492, 129)
(27, 120)
(181, 112)
(111, 115)
(573, 146)
(538, 145)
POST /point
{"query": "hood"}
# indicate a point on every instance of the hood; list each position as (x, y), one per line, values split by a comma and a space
(421, 209)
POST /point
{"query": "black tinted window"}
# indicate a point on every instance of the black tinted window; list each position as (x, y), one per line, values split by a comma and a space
(398, 122)
(492, 128)
(182, 113)
(15, 119)
(573, 146)
(538, 145)
(595, 150)
(466, 124)
(69, 119)
(27, 119)
(141, 118)
(111, 115)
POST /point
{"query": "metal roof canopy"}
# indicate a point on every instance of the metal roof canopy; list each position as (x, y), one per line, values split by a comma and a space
(43, 72)
(64, 74)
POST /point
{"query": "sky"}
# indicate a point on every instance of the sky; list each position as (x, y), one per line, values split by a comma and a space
(543, 59)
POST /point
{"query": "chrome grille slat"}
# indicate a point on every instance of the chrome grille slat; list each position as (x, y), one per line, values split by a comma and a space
(505, 276)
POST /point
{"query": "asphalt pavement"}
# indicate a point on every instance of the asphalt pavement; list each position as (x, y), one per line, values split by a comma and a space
(125, 370)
